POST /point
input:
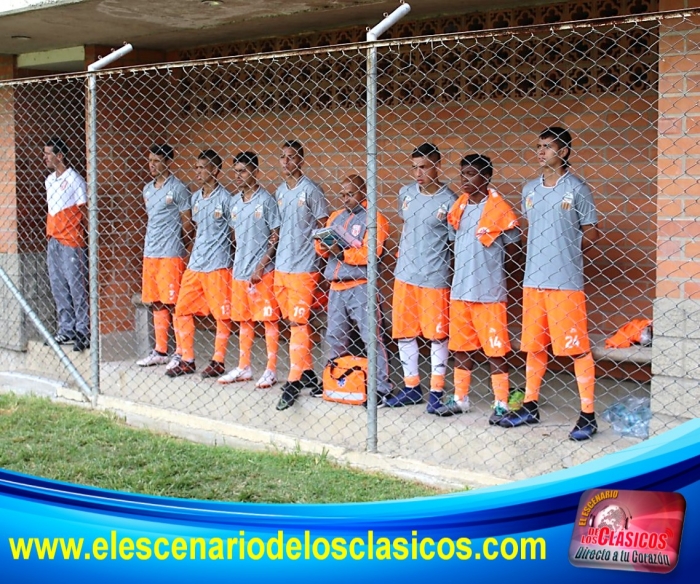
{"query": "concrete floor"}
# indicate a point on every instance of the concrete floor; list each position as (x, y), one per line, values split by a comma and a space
(464, 442)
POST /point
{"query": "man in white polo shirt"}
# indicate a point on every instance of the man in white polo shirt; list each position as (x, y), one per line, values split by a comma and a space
(66, 256)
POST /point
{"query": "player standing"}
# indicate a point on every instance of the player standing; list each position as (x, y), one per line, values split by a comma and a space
(485, 231)
(66, 253)
(169, 225)
(255, 221)
(561, 218)
(422, 278)
(303, 208)
(206, 283)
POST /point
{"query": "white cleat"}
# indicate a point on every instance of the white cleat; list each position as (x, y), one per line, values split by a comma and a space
(153, 358)
(236, 375)
(268, 379)
(174, 362)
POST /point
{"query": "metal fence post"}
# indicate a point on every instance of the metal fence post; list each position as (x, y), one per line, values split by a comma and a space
(93, 255)
(372, 260)
(93, 222)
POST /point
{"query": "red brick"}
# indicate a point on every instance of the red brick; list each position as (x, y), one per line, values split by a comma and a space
(668, 289)
(691, 290)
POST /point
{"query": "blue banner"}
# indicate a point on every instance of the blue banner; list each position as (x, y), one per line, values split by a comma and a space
(520, 532)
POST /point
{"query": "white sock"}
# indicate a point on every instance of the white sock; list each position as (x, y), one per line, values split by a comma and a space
(408, 352)
(439, 354)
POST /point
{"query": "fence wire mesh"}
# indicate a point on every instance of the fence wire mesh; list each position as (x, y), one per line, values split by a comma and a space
(620, 88)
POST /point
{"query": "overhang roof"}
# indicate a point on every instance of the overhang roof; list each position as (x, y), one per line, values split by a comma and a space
(177, 24)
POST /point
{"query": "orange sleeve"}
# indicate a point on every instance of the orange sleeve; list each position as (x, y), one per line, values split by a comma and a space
(358, 256)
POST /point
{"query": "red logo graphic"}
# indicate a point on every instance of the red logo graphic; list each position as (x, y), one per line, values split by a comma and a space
(638, 531)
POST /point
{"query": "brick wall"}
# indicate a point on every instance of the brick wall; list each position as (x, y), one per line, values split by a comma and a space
(676, 361)
(8, 198)
(132, 116)
(613, 150)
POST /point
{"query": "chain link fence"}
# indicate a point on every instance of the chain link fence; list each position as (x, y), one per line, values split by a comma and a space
(489, 93)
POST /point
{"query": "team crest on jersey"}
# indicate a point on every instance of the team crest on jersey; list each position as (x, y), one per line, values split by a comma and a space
(356, 230)
(406, 201)
(258, 211)
(529, 203)
(195, 209)
(567, 201)
(442, 213)
(234, 213)
(301, 201)
(218, 212)
(169, 198)
(64, 185)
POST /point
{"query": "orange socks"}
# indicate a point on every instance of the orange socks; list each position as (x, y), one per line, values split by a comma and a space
(161, 327)
(185, 326)
(272, 342)
(501, 386)
(246, 337)
(223, 332)
(584, 367)
(299, 351)
(463, 379)
(535, 368)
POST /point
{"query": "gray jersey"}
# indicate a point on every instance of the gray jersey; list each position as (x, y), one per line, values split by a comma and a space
(479, 274)
(252, 224)
(300, 209)
(424, 251)
(164, 229)
(555, 216)
(212, 244)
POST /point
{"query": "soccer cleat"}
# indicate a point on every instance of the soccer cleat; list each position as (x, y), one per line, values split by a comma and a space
(527, 415)
(290, 392)
(81, 343)
(309, 380)
(408, 396)
(453, 407)
(499, 412)
(268, 379)
(174, 361)
(434, 401)
(236, 375)
(153, 358)
(181, 367)
(214, 369)
(61, 339)
(584, 429)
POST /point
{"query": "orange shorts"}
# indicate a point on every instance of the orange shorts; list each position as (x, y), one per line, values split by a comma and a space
(477, 325)
(556, 316)
(257, 303)
(161, 279)
(295, 294)
(420, 312)
(204, 293)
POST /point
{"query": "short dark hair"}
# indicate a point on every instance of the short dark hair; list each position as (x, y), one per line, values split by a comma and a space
(248, 158)
(427, 150)
(561, 136)
(163, 150)
(212, 157)
(479, 161)
(358, 181)
(296, 146)
(58, 146)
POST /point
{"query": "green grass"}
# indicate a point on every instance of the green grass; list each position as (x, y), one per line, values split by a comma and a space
(75, 445)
